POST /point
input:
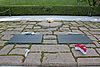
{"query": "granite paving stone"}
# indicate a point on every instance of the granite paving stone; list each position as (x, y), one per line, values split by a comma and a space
(6, 49)
(52, 24)
(90, 52)
(18, 51)
(49, 37)
(7, 37)
(50, 42)
(77, 31)
(50, 48)
(21, 46)
(29, 26)
(95, 32)
(65, 26)
(88, 61)
(33, 59)
(31, 22)
(2, 43)
(59, 59)
(87, 45)
(63, 32)
(97, 36)
(98, 50)
(83, 28)
(46, 33)
(97, 43)
(10, 32)
(10, 60)
(92, 38)
(18, 29)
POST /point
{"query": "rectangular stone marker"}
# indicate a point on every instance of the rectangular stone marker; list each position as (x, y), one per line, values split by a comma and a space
(26, 39)
(73, 39)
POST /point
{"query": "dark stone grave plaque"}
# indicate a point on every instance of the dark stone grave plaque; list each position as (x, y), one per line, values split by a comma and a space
(73, 39)
(26, 39)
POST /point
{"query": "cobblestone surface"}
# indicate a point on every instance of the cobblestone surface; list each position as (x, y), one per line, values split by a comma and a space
(49, 52)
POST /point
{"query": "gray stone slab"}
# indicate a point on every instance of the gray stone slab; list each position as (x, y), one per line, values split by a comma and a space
(2, 43)
(73, 38)
(10, 60)
(18, 51)
(59, 59)
(6, 49)
(90, 52)
(7, 37)
(26, 39)
(49, 37)
(87, 45)
(98, 50)
(88, 61)
(50, 48)
(33, 59)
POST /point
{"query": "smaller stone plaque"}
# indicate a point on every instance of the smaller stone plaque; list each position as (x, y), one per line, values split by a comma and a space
(73, 39)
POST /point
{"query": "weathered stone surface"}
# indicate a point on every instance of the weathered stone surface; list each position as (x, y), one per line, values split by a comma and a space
(88, 61)
(18, 29)
(10, 60)
(87, 45)
(29, 26)
(45, 33)
(10, 32)
(97, 43)
(77, 31)
(50, 48)
(21, 46)
(49, 37)
(50, 42)
(92, 38)
(7, 37)
(95, 33)
(33, 59)
(63, 32)
(2, 43)
(97, 36)
(83, 28)
(18, 51)
(6, 49)
(59, 59)
(90, 52)
(98, 50)
(52, 24)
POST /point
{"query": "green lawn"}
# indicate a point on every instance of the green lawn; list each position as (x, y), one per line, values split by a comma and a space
(43, 2)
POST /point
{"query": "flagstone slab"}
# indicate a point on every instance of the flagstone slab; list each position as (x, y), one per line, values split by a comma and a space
(50, 42)
(6, 49)
(87, 45)
(90, 52)
(60, 59)
(18, 51)
(98, 50)
(73, 38)
(49, 37)
(33, 59)
(2, 43)
(7, 37)
(22, 46)
(26, 39)
(10, 60)
(88, 61)
(52, 24)
(50, 48)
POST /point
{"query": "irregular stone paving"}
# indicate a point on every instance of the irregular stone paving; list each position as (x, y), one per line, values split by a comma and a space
(49, 53)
